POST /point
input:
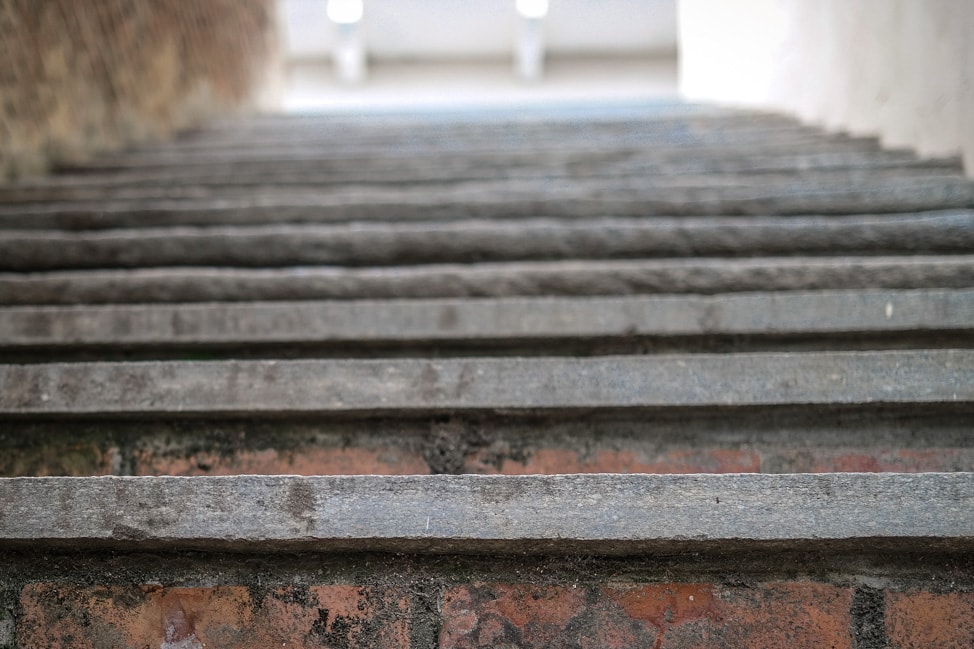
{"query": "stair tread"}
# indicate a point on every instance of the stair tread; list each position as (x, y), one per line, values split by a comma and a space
(492, 279)
(823, 312)
(606, 513)
(421, 385)
(383, 243)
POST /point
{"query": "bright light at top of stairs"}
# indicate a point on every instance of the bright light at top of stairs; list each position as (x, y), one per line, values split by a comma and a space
(347, 12)
(532, 8)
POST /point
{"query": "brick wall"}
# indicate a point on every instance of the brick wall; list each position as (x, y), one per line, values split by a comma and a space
(81, 77)
(794, 613)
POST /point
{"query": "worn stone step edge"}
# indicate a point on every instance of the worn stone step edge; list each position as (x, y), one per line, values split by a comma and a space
(464, 132)
(453, 202)
(649, 186)
(608, 514)
(318, 167)
(600, 115)
(386, 244)
(490, 145)
(656, 110)
(272, 387)
(533, 278)
(786, 313)
(558, 150)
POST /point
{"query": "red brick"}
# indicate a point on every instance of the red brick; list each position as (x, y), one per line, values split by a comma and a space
(63, 617)
(788, 614)
(335, 616)
(888, 460)
(526, 616)
(917, 619)
(305, 461)
(562, 460)
(676, 616)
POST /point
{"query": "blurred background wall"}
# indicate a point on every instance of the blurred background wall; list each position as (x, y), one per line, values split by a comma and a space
(81, 77)
(902, 70)
(397, 30)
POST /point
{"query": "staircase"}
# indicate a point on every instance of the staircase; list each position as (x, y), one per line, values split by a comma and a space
(663, 376)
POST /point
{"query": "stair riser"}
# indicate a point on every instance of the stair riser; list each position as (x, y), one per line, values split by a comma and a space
(731, 440)
(245, 602)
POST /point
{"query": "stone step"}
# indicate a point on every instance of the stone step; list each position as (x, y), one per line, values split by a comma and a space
(551, 278)
(841, 197)
(521, 119)
(317, 167)
(534, 321)
(429, 143)
(446, 133)
(388, 386)
(811, 154)
(949, 185)
(603, 514)
(389, 244)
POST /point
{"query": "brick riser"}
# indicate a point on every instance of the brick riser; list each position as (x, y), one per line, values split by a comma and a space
(619, 614)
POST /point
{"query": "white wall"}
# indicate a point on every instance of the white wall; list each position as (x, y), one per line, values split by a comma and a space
(471, 29)
(900, 69)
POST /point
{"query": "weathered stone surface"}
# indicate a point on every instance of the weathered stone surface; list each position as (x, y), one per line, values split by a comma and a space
(529, 278)
(381, 244)
(490, 159)
(826, 312)
(827, 192)
(603, 514)
(320, 165)
(422, 385)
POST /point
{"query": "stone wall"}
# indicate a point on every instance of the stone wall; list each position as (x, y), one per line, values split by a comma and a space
(82, 77)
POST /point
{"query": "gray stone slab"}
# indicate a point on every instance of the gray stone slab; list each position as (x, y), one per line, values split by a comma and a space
(667, 188)
(601, 514)
(422, 385)
(564, 199)
(459, 134)
(310, 167)
(547, 117)
(381, 244)
(699, 154)
(553, 278)
(489, 319)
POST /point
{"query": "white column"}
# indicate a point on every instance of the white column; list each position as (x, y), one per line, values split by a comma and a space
(349, 52)
(529, 50)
